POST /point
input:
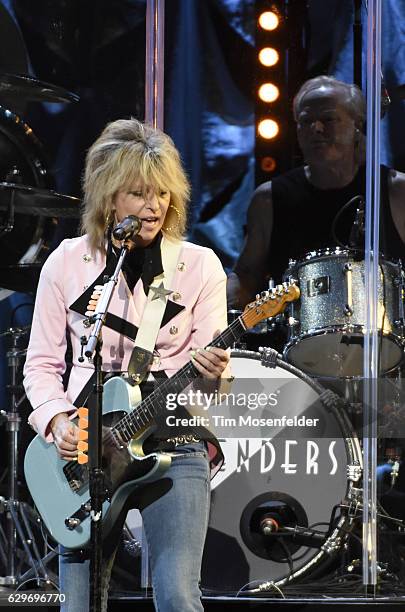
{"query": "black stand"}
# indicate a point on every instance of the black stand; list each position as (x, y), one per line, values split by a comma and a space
(96, 486)
(96, 474)
(357, 44)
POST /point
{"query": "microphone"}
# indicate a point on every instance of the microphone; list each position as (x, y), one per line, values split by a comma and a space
(128, 228)
(358, 225)
(268, 525)
(305, 536)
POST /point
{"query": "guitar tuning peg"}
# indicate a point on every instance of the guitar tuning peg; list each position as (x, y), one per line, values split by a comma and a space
(286, 287)
(264, 294)
(279, 289)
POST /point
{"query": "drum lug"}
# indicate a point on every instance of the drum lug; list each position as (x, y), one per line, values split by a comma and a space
(332, 545)
(348, 310)
(269, 357)
(292, 322)
(354, 472)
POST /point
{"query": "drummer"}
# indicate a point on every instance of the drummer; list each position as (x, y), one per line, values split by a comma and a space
(302, 203)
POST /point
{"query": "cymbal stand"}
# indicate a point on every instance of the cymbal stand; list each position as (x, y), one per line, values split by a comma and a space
(17, 514)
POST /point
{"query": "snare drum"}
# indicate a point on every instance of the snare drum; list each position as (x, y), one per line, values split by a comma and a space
(326, 326)
(297, 476)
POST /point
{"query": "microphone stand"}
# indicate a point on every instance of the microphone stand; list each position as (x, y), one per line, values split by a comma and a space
(96, 473)
(357, 44)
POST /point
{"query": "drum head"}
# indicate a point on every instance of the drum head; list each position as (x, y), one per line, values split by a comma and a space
(293, 478)
(339, 354)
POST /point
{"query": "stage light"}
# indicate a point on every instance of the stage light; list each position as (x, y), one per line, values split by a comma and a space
(269, 20)
(268, 128)
(268, 164)
(268, 56)
(268, 92)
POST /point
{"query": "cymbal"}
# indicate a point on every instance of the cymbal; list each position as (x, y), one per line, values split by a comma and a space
(16, 331)
(20, 277)
(38, 202)
(33, 90)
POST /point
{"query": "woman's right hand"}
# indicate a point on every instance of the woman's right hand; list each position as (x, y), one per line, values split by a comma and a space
(65, 436)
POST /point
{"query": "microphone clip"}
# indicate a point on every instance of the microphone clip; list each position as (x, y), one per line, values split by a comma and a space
(127, 229)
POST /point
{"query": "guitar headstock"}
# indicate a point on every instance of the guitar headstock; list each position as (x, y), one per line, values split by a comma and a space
(269, 303)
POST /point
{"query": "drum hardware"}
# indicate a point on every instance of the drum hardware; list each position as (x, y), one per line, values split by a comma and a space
(18, 543)
(16, 332)
(269, 357)
(348, 309)
(37, 202)
(391, 467)
(34, 90)
(354, 472)
(24, 160)
(21, 516)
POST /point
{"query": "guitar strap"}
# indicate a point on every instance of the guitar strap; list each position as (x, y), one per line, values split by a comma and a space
(142, 354)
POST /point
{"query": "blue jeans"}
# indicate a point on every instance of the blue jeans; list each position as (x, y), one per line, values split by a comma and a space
(175, 527)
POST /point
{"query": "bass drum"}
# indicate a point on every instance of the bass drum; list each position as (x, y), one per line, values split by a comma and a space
(268, 485)
(22, 161)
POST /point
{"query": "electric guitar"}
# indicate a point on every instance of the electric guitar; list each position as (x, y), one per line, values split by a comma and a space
(60, 489)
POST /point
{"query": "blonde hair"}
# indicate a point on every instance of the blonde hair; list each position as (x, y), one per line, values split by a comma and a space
(128, 151)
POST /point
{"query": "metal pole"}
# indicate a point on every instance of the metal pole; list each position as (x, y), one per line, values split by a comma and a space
(154, 63)
(371, 357)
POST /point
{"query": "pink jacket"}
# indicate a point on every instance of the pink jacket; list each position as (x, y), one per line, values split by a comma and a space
(190, 320)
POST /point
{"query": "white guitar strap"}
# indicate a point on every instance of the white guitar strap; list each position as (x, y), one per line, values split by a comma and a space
(152, 316)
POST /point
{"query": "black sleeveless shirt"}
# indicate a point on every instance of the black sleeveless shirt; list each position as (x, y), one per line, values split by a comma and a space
(304, 216)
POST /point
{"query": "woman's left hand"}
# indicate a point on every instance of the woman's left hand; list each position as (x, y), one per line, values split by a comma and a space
(210, 362)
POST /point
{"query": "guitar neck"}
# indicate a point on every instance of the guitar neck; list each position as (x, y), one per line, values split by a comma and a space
(267, 304)
(155, 403)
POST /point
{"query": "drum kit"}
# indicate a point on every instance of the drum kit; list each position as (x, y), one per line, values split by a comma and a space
(30, 209)
(287, 506)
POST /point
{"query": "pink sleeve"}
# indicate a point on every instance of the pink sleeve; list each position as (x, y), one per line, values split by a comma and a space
(209, 313)
(45, 363)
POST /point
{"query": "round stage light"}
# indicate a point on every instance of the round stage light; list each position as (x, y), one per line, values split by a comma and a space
(268, 128)
(268, 92)
(268, 164)
(269, 20)
(268, 56)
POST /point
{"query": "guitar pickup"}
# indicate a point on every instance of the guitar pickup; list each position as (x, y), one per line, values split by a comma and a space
(78, 517)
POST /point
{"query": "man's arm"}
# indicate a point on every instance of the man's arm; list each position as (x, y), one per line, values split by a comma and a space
(396, 186)
(248, 277)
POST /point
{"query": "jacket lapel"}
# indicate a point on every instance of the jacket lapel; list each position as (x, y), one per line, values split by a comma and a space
(124, 313)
